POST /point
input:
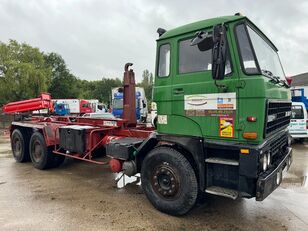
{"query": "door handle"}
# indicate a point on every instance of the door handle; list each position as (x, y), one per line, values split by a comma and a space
(178, 91)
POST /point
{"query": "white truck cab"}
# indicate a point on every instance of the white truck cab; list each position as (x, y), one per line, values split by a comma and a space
(298, 125)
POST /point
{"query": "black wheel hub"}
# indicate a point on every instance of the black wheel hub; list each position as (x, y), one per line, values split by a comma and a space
(36, 151)
(165, 182)
(17, 147)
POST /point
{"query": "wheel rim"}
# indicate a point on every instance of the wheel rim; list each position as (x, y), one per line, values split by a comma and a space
(36, 151)
(165, 182)
(17, 147)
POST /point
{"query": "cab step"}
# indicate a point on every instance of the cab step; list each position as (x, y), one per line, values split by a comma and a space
(216, 160)
(220, 191)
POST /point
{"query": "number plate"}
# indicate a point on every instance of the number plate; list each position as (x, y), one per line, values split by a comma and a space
(110, 123)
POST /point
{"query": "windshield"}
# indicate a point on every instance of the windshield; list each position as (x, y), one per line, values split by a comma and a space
(297, 112)
(268, 58)
(117, 104)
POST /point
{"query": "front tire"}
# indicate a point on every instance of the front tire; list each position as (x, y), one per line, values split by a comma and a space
(20, 146)
(169, 181)
(41, 156)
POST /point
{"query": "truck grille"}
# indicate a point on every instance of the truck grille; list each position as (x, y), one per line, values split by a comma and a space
(278, 147)
(278, 116)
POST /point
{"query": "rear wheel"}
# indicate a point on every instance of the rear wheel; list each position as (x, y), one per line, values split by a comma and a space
(20, 146)
(41, 156)
(169, 181)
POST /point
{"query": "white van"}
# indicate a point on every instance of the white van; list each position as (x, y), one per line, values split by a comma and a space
(298, 126)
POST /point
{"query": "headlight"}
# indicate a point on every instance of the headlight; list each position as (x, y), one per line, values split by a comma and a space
(289, 140)
(268, 159)
(264, 162)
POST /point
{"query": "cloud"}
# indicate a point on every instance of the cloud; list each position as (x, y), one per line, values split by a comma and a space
(96, 38)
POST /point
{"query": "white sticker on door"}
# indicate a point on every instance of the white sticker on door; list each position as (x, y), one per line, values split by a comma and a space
(216, 104)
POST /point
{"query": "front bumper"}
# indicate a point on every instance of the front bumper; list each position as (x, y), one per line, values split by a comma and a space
(299, 135)
(267, 182)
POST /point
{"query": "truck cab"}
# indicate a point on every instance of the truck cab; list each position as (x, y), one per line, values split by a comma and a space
(85, 107)
(298, 94)
(141, 103)
(223, 102)
(117, 105)
(61, 109)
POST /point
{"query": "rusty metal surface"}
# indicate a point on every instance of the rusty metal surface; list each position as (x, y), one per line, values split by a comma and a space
(129, 96)
(96, 137)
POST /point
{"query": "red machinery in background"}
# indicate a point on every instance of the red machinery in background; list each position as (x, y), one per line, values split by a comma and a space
(50, 139)
(42, 102)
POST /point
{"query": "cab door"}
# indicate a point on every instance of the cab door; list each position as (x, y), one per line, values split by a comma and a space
(197, 103)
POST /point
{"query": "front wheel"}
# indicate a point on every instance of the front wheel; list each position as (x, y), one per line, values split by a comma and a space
(169, 181)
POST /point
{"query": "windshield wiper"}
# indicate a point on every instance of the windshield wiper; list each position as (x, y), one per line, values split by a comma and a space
(284, 83)
(270, 75)
(275, 79)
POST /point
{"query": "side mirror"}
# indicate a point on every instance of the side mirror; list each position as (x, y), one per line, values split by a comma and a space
(219, 52)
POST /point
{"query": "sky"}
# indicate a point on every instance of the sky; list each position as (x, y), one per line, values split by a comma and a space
(97, 37)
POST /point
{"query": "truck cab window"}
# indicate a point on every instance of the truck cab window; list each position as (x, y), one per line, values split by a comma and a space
(248, 59)
(164, 60)
(192, 59)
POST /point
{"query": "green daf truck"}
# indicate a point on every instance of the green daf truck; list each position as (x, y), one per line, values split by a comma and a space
(223, 109)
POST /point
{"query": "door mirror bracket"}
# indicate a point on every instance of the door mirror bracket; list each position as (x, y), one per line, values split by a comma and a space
(219, 52)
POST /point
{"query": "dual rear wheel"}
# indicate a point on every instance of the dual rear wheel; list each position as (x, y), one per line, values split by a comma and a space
(20, 146)
(35, 149)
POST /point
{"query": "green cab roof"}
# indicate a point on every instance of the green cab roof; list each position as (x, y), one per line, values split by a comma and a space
(199, 25)
(208, 23)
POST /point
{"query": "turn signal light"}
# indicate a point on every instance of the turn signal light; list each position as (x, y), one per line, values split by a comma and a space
(251, 119)
(244, 151)
(250, 135)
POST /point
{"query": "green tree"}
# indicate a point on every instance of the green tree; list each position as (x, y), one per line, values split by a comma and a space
(23, 73)
(63, 83)
(98, 89)
(147, 83)
(103, 90)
